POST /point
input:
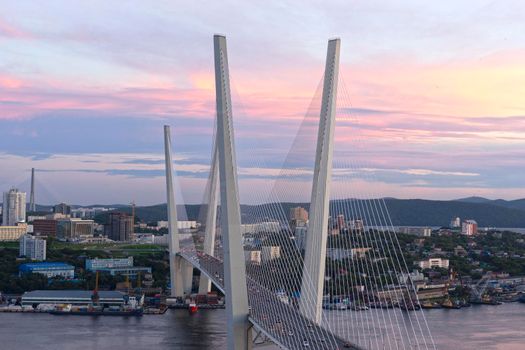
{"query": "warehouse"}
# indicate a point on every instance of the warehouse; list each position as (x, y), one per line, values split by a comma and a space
(74, 297)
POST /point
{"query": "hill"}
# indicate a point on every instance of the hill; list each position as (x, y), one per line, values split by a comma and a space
(403, 212)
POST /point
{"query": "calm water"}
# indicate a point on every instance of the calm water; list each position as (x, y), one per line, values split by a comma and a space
(481, 327)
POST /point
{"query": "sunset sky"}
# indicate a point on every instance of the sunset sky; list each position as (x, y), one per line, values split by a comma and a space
(435, 92)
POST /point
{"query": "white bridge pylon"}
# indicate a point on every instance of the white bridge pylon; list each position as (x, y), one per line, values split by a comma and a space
(181, 272)
(223, 173)
(311, 301)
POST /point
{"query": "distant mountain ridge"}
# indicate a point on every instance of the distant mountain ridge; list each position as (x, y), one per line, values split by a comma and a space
(403, 212)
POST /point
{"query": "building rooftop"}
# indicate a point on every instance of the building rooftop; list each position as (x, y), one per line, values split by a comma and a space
(46, 265)
(71, 294)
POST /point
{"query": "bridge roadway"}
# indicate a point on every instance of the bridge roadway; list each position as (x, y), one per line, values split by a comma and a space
(269, 315)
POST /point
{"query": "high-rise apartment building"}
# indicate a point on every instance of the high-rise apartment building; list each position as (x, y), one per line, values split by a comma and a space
(32, 248)
(120, 227)
(14, 207)
(469, 227)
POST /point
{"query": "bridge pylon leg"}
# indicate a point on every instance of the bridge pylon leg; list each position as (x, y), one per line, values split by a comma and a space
(211, 219)
(179, 276)
(238, 330)
(310, 303)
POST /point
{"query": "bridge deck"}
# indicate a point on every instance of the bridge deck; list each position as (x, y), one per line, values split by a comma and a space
(279, 321)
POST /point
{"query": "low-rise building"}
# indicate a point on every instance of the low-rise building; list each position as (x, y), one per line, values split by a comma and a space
(45, 227)
(72, 229)
(253, 256)
(416, 230)
(74, 297)
(269, 253)
(433, 262)
(12, 233)
(115, 267)
(49, 269)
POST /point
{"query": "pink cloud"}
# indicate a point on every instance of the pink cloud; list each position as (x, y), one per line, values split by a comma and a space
(9, 31)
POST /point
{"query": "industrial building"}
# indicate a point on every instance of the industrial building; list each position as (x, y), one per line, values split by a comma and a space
(115, 267)
(49, 269)
(74, 297)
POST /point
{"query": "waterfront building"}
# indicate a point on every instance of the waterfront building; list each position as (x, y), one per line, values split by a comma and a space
(74, 297)
(117, 267)
(433, 262)
(120, 227)
(469, 227)
(49, 269)
(265, 226)
(72, 229)
(12, 233)
(32, 248)
(45, 227)
(14, 207)
(62, 208)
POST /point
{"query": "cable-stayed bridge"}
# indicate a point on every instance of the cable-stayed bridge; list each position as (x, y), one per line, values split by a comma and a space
(331, 279)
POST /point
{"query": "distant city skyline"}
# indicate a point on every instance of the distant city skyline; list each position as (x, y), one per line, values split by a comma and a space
(437, 89)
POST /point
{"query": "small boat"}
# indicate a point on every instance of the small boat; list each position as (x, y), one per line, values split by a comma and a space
(449, 304)
(429, 305)
(192, 308)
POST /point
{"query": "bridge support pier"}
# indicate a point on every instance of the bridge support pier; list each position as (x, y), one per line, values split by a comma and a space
(310, 303)
(238, 325)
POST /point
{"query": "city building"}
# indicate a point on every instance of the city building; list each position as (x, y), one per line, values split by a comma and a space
(32, 248)
(62, 208)
(269, 253)
(253, 256)
(181, 225)
(455, 223)
(433, 262)
(357, 226)
(298, 214)
(73, 297)
(298, 217)
(49, 269)
(12, 233)
(265, 226)
(89, 213)
(300, 237)
(469, 227)
(73, 229)
(45, 227)
(123, 266)
(120, 227)
(97, 264)
(416, 231)
(14, 207)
